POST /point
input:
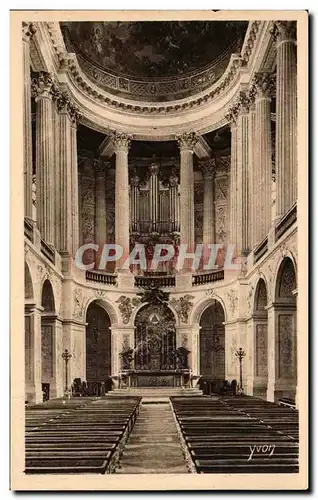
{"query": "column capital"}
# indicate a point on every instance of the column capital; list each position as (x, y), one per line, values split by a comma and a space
(207, 167)
(243, 102)
(263, 83)
(187, 141)
(66, 106)
(121, 142)
(284, 31)
(232, 114)
(28, 30)
(44, 86)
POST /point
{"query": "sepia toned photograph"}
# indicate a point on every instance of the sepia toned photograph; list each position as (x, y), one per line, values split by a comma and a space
(159, 213)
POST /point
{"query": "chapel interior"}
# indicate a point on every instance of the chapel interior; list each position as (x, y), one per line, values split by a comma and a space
(160, 133)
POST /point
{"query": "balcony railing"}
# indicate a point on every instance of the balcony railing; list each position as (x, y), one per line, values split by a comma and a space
(286, 222)
(106, 279)
(210, 277)
(28, 229)
(260, 250)
(47, 251)
(161, 227)
(155, 281)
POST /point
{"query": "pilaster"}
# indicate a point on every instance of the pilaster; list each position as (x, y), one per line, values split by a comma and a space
(286, 115)
(28, 30)
(186, 144)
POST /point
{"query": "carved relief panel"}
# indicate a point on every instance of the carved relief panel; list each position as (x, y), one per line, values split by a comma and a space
(87, 205)
(221, 188)
(261, 351)
(198, 211)
(286, 364)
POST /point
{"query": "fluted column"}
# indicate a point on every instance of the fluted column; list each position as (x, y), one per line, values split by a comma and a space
(64, 187)
(173, 201)
(44, 88)
(232, 208)
(28, 30)
(100, 204)
(121, 144)
(75, 202)
(208, 173)
(252, 183)
(286, 116)
(242, 215)
(186, 144)
(263, 85)
(134, 202)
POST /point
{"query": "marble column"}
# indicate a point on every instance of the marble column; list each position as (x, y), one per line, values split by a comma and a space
(28, 30)
(75, 201)
(100, 205)
(64, 221)
(232, 208)
(242, 213)
(286, 116)
(208, 173)
(186, 144)
(44, 88)
(263, 165)
(252, 181)
(121, 143)
(174, 201)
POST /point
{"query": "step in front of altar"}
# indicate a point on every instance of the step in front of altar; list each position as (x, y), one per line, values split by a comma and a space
(155, 392)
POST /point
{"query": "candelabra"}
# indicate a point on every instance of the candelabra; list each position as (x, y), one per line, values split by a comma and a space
(66, 357)
(240, 354)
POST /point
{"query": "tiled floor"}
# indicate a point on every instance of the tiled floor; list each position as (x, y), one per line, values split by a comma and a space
(153, 445)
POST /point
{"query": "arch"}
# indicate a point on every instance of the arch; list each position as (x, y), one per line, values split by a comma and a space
(107, 306)
(143, 304)
(204, 304)
(28, 283)
(155, 338)
(98, 345)
(260, 341)
(212, 341)
(260, 297)
(47, 297)
(286, 281)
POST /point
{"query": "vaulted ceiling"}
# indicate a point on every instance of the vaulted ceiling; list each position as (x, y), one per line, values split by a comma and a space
(156, 59)
(154, 49)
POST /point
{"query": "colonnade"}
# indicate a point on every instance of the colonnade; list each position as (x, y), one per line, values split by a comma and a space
(251, 146)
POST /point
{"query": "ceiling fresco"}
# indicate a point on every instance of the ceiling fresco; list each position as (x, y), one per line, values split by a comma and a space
(153, 49)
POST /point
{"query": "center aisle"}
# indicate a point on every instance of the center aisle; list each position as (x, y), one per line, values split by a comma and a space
(153, 446)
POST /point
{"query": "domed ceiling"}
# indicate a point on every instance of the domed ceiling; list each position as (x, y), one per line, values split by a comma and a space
(154, 60)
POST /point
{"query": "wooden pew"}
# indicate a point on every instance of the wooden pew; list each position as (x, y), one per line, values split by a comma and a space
(224, 438)
(84, 439)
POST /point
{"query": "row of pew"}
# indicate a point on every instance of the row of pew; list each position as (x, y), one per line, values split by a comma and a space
(238, 434)
(283, 419)
(82, 435)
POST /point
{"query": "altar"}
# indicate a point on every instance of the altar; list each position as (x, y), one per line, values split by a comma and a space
(152, 378)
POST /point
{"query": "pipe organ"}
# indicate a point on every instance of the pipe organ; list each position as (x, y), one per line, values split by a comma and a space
(154, 206)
